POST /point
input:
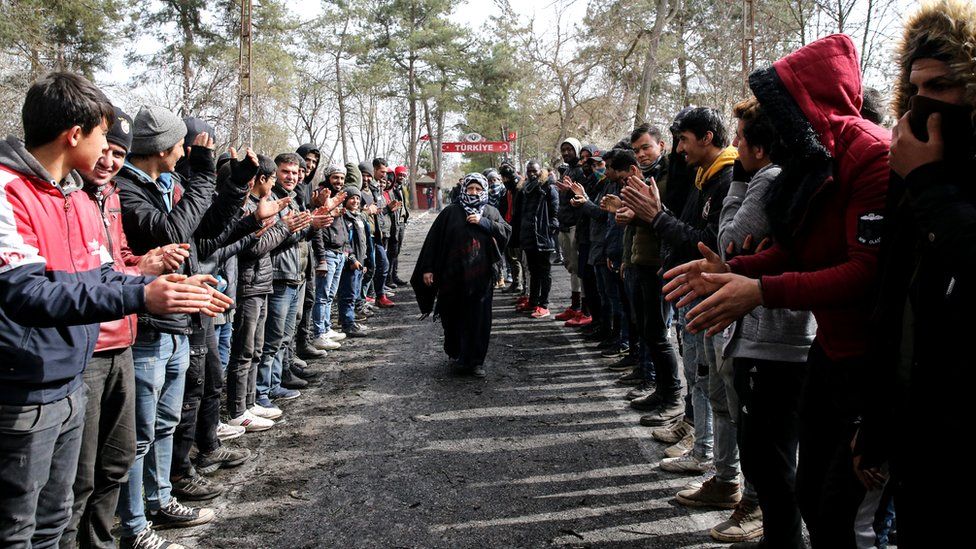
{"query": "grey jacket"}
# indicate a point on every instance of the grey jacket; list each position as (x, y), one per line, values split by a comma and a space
(286, 259)
(767, 334)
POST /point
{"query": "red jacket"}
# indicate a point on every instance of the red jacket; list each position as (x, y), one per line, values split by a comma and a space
(115, 334)
(830, 268)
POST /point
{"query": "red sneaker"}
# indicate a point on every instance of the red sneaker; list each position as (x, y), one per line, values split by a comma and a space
(521, 302)
(580, 321)
(569, 314)
(370, 299)
(524, 307)
(385, 303)
(539, 312)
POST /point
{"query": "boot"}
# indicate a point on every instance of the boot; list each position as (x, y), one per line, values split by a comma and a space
(303, 372)
(290, 381)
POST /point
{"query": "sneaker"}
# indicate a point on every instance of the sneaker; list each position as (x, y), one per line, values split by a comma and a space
(388, 291)
(193, 487)
(391, 285)
(325, 343)
(712, 493)
(265, 411)
(615, 351)
(687, 465)
(361, 317)
(625, 364)
(632, 378)
(479, 371)
(681, 448)
(177, 515)
(568, 314)
(540, 312)
(370, 299)
(580, 321)
(524, 307)
(228, 432)
(666, 414)
(334, 335)
(148, 539)
(221, 458)
(356, 330)
(674, 433)
(252, 423)
(646, 403)
(645, 388)
(745, 524)
(385, 302)
(284, 394)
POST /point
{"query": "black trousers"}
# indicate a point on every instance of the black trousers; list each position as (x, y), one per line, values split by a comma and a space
(591, 294)
(540, 277)
(201, 400)
(827, 491)
(393, 247)
(303, 334)
(768, 432)
(108, 448)
(656, 316)
(245, 353)
(467, 327)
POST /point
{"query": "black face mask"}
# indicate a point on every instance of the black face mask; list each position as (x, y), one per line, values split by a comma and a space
(957, 125)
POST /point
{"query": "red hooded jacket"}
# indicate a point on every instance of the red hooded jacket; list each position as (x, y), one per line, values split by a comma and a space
(831, 265)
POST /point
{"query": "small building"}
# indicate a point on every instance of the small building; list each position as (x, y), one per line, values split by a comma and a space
(426, 193)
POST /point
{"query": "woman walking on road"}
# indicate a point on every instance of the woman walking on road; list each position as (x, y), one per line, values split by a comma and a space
(455, 270)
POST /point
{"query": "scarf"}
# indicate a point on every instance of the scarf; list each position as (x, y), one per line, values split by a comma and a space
(473, 203)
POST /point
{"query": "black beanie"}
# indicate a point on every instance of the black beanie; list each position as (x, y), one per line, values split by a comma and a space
(194, 127)
(121, 131)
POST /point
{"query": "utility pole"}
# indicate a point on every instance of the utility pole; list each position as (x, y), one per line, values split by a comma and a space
(748, 43)
(243, 133)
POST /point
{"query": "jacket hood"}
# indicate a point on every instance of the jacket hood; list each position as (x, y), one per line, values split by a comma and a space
(812, 93)
(726, 158)
(574, 142)
(943, 29)
(307, 148)
(15, 156)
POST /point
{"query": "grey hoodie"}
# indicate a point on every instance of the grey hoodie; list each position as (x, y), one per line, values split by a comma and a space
(766, 334)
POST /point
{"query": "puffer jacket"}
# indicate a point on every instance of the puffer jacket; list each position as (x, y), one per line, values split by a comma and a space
(539, 223)
(255, 273)
(829, 264)
(286, 259)
(56, 281)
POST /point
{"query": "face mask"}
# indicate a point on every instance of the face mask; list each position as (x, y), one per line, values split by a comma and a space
(600, 172)
(957, 124)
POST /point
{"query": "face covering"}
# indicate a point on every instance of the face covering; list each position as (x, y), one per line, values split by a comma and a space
(474, 203)
(957, 124)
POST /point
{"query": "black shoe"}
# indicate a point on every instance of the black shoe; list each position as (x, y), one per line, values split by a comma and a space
(400, 282)
(607, 344)
(634, 378)
(296, 361)
(289, 381)
(616, 351)
(304, 373)
(479, 371)
(194, 488)
(669, 411)
(222, 457)
(643, 389)
(647, 403)
(391, 284)
(177, 515)
(311, 353)
(625, 364)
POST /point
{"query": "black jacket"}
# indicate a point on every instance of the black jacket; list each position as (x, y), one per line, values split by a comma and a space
(539, 224)
(195, 214)
(357, 245)
(569, 216)
(255, 273)
(286, 259)
(698, 221)
(332, 238)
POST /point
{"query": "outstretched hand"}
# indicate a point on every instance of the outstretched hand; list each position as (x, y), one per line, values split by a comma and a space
(686, 281)
(735, 297)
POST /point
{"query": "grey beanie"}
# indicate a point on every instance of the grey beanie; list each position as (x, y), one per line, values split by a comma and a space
(351, 192)
(156, 129)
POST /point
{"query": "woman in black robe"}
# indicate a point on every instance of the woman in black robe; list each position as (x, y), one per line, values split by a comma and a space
(454, 277)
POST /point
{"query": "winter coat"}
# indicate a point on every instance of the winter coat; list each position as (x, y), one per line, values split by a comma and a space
(56, 281)
(645, 246)
(766, 334)
(825, 258)
(380, 221)
(255, 273)
(597, 223)
(286, 260)
(538, 217)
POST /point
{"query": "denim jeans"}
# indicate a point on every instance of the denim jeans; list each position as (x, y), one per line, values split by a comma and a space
(242, 373)
(160, 361)
(696, 366)
(107, 449)
(39, 447)
(725, 410)
(382, 269)
(349, 287)
(280, 302)
(224, 332)
(282, 359)
(326, 287)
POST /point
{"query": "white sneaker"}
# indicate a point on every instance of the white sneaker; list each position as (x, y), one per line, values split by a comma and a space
(228, 432)
(267, 413)
(687, 465)
(334, 335)
(252, 423)
(325, 344)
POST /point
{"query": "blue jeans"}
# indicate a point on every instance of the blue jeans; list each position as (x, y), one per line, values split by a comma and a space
(382, 266)
(279, 304)
(282, 358)
(350, 283)
(160, 361)
(39, 448)
(725, 407)
(695, 358)
(326, 287)
(224, 332)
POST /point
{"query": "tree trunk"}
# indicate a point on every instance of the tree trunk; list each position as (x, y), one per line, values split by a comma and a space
(665, 11)
(412, 116)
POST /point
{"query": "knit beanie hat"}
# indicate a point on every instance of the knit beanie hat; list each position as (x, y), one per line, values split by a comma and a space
(334, 169)
(156, 129)
(194, 127)
(121, 131)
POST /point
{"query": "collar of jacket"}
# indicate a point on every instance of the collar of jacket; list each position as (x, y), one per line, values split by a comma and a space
(15, 156)
(725, 158)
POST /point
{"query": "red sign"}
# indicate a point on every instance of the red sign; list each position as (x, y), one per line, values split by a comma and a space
(512, 136)
(478, 147)
(425, 137)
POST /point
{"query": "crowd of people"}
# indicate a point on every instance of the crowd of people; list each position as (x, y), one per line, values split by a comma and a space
(817, 268)
(157, 301)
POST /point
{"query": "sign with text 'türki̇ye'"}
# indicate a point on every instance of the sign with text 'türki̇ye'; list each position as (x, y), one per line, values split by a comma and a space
(476, 147)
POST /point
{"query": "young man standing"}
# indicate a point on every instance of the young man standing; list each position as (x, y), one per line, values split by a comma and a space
(56, 285)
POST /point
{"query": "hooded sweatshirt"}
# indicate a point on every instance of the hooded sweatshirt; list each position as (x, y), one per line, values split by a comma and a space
(56, 281)
(569, 216)
(825, 259)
